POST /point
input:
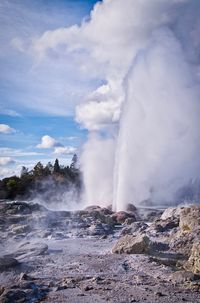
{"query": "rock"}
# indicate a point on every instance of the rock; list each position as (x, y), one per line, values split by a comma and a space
(103, 210)
(1, 290)
(189, 230)
(121, 216)
(99, 229)
(93, 208)
(149, 214)
(132, 245)
(94, 213)
(24, 292)
(7, 263)
(136, 227)
(29, 250)
(10, 296)
(171, 212)
(166, 259)
(193, 263)
(190, 219)
(88, 287)
(182, 276)
(183, 242)
(131, 207)
(129, 221)
(20, 229)
(164, 225)
(159, 294)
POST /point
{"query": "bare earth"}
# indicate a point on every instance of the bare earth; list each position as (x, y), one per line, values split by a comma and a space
(60, 257)
(84, 270)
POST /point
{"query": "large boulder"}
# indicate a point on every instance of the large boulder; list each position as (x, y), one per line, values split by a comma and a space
(188, 232)
(172, 212)
(193, 263)
(190, 219)
(132, 245)
(182, 242)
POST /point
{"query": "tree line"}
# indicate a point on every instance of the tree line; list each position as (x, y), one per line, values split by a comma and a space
(49, 180)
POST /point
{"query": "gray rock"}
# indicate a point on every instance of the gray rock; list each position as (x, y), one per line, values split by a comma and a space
(132, 245)
(164, 225)
(136, 227)
(30, 249)
(7, 262)
(171, 212)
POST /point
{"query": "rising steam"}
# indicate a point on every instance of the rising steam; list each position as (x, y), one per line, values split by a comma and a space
(143, 121)
(156, 146)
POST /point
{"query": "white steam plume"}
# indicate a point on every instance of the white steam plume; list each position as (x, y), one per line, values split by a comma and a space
(97, 163)
(158, 140)
(148, 54)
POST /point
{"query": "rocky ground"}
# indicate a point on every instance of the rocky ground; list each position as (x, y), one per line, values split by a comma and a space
(96, 255)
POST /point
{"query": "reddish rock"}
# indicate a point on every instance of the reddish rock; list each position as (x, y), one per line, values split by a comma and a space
(122, 216)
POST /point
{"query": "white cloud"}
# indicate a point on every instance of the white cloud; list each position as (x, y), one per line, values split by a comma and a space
(6, 172)
(101, 108)
(48, 142)
(64, 150)
(4, 161)
(6, 129)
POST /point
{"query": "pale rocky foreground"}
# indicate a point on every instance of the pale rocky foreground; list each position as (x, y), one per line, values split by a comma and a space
(96, 255)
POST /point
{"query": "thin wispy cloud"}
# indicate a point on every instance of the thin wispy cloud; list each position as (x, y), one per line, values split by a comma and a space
(9, 112)
(11, 152)
(64, 150)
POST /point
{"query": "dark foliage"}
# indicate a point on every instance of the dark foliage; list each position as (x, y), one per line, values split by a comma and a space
(45, 180)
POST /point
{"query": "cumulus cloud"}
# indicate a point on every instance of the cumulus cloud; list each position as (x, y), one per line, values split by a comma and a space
(101, 108)
(4, 161)
(64, 150)
(6, 129)
(48, 142)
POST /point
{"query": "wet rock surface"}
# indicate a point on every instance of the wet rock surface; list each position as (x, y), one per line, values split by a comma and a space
(96, 255)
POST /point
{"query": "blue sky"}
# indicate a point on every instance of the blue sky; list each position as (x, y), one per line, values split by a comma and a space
(38, 97)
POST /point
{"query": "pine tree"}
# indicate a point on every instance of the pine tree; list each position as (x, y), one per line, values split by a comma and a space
(38, 170)
(73, 165)
(56, 167)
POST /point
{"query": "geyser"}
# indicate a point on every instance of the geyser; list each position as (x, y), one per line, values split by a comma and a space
(155, 147)
(143, 121)
(158, 142)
